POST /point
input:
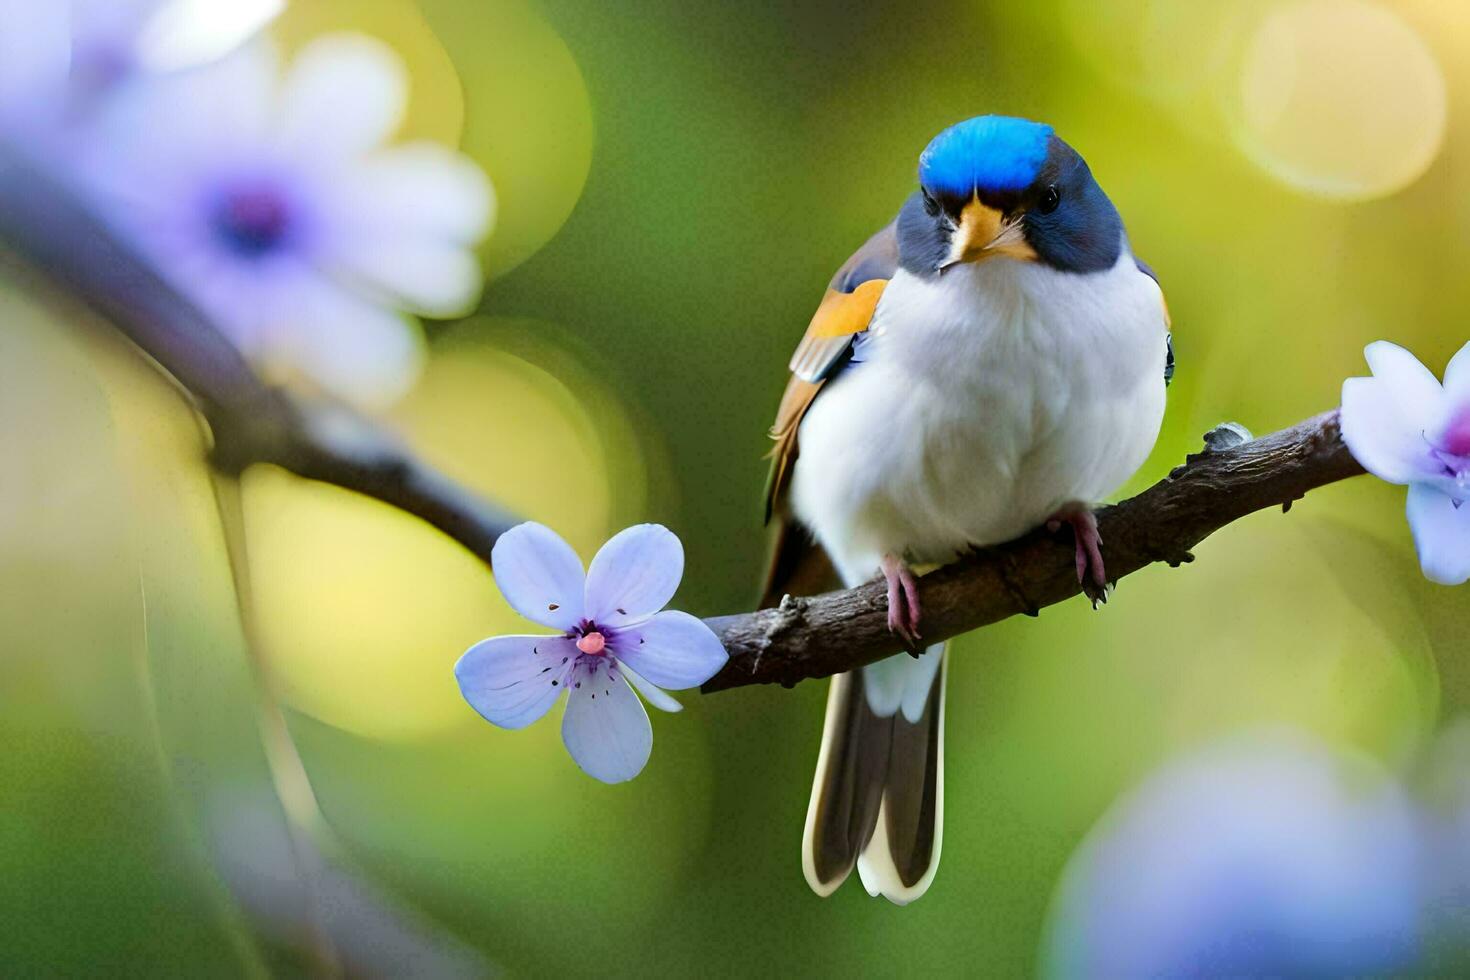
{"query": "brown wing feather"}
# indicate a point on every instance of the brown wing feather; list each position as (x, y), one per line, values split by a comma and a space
(845, 311)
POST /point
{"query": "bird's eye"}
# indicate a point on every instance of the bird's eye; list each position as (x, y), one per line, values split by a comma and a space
(1050, 198)
(930, 205)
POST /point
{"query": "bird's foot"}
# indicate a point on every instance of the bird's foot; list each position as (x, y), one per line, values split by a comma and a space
(903, 601)
(1091, 572)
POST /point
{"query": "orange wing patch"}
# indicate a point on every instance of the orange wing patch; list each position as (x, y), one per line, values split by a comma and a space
(845, 311)
(838, 319)
(841, 314)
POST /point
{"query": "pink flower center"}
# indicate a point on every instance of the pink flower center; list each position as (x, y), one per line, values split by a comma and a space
(1456, 438)
(591, 643)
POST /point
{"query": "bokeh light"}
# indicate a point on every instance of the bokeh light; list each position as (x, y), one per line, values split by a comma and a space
(1340, 98)
(529, 124)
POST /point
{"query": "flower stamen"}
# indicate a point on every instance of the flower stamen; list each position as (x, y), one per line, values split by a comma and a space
(592, 643)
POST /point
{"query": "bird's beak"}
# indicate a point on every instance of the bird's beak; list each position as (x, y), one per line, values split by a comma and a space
(985, 233)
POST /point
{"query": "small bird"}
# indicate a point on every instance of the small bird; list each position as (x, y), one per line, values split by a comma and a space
(991, 361)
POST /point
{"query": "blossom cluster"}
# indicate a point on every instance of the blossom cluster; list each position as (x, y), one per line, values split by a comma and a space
(270, 195)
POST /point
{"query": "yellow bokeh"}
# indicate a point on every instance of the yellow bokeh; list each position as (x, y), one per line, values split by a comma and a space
(528, 118)
(1340, 98)
(365, 609)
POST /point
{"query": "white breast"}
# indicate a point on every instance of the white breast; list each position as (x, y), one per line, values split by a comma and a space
(987, 399)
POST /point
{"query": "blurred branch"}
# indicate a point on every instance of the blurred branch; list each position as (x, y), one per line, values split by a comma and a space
(804, 638)
(840, 631)
(290, 782)
(251, 421)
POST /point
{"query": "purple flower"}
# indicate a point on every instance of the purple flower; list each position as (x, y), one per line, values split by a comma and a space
(611, 635)
(1404, 427)
(58, 57)
(276, 204)
(35, 56)
(1264, 856)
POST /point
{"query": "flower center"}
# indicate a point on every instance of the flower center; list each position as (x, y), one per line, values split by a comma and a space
(1456, 438)
(253, 220)
(592, 643)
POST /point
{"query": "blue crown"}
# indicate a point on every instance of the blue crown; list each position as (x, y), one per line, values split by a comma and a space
(993, 153)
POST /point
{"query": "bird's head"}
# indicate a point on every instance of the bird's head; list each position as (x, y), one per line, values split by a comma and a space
(995, 187)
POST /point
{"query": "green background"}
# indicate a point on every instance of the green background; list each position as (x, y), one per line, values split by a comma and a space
(677, 182)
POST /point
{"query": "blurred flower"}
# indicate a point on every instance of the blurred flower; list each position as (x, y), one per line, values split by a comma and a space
(275, 206)
(35, 56)
(612, 636)
(58, 57)
(1404, 427)
(1268, 856)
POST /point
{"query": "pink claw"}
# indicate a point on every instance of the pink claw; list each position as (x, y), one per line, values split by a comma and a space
(1091, 572)
(903, 600)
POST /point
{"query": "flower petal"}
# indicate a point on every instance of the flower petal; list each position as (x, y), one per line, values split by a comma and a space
(606, 728)
(673, 650)
(539, 574)
(652, 693)
(345, 95)
(514, 680)
(1441, 534)
(1416, 384)
(1384, 417)
(420, 188)
(403, 224)
(634, 575)
(1457, 378)
(359, 351)
(35, 52)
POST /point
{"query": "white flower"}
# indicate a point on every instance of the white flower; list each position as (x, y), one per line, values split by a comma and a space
(274, 204)
(1404, 427)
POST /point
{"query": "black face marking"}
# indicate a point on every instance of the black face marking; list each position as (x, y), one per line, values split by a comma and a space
(1082, 231)
(1168, 359)
(923, 238)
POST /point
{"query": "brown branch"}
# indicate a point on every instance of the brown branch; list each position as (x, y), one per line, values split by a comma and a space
(839, 631)
(804, 638)
(251, 422)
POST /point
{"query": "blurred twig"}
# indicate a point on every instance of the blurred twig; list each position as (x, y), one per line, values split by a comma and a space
(804, 638)
(251, 422)
(292, 785)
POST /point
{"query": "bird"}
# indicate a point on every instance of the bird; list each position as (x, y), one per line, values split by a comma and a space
(993, 360)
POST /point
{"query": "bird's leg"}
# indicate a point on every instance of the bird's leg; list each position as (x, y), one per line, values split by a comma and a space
(903, 600)
(1091, 572)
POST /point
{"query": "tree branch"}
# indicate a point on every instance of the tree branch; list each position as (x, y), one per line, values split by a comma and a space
(840, 631)
(251, 421)
(804, 638)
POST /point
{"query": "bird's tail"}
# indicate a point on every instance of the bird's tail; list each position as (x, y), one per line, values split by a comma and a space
(878, 796)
